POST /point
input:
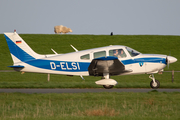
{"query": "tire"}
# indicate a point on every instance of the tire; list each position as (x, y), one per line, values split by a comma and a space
(156, 85)
(108, 86)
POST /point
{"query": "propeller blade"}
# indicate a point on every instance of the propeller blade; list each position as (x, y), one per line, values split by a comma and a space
(170, 59)
(167, 62)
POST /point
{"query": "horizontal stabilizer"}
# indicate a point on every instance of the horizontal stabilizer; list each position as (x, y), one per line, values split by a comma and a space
(16, 66)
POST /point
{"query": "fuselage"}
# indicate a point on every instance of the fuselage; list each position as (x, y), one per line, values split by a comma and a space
(77, 63)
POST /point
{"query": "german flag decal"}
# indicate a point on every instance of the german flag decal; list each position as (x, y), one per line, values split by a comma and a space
(18, 42)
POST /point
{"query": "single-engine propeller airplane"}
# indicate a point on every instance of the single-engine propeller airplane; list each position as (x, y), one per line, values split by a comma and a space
(104, 61)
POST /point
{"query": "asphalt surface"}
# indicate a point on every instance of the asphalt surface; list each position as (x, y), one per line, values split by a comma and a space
(30, 91)
(15, 71)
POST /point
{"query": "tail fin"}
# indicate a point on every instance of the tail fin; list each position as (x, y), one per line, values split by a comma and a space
(20, 51)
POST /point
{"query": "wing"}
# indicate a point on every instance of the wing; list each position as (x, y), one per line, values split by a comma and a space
(109, 64)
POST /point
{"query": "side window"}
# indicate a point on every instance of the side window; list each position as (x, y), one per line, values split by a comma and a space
(85, 57)
(117, 53)
(99, 54)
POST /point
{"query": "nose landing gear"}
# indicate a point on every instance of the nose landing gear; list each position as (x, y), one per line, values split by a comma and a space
(154, 83)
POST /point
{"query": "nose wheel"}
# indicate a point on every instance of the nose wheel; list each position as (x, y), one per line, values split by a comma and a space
(154, 83)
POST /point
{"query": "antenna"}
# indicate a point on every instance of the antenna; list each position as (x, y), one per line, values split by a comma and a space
(54, 51)
(74, 48)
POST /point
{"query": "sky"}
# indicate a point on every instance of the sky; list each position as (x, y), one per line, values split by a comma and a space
(123, 17)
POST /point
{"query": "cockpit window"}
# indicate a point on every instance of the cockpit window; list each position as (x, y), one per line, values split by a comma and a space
(85, 57)
(99, 54)
(118, 53)
(132, 52)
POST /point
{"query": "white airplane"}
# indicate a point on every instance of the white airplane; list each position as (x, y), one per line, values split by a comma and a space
(104, 61)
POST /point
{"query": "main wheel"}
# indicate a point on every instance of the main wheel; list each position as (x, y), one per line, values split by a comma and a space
(155, 85)
(108, 86)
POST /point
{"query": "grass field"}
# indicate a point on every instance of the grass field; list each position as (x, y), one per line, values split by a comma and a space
(34, 80)
(42, 44)
(136, 106)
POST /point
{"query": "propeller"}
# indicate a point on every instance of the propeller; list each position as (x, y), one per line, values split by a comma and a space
(167, 61)
(170, 59)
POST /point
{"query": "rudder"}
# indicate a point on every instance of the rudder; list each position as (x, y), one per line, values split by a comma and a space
(19, 49)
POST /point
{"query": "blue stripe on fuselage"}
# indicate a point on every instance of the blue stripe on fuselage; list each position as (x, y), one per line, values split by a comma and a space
(60, 65)
(149, 59)
(69, 66)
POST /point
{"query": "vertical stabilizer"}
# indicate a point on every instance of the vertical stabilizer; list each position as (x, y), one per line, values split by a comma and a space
(19, 49)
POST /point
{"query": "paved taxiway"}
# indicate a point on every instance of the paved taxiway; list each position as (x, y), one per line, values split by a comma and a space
(82, 90)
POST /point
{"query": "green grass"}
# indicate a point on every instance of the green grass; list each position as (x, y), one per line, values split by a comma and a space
(34, 80)
(42, 44)
(151, 105)
(136, 106)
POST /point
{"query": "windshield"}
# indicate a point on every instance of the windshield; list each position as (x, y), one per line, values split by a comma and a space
(132, 52)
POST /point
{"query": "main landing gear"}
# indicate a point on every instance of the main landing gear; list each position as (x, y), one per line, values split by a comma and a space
(108, 86)
(107, 83)
(154, 83)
